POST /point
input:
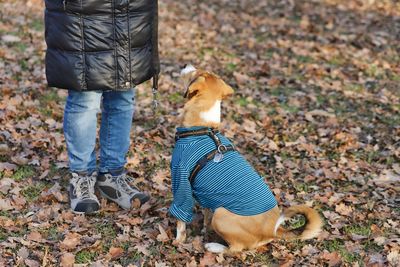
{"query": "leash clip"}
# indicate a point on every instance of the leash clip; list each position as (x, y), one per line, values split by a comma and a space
(155, 99)
(154, 90)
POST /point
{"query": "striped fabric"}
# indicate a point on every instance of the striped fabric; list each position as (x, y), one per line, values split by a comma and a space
(232, 183)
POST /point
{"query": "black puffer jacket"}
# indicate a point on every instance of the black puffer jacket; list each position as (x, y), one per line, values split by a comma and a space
(101, 44)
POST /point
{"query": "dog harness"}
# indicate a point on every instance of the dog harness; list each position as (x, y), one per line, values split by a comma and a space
(206, 167)
(217, 153)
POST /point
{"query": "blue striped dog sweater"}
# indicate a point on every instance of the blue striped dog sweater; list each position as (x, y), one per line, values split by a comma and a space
(232, 183)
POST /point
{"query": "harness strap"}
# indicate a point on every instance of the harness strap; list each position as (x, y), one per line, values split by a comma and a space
(221, 149)
(205, 159)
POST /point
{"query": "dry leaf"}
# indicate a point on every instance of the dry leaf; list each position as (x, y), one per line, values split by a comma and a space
(67, 260)
(333, 258)
(162, 237)
(70, 241)
(207, 260)
(343, 209)
(114, 253)
(35, 236)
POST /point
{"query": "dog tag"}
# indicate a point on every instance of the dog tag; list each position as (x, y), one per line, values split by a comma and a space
(218, 157)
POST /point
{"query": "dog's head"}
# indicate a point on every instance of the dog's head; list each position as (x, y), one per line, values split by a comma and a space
(203, 84)
(204, 92)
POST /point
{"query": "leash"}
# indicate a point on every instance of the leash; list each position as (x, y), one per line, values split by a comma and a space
(154, 90)
(217, 154)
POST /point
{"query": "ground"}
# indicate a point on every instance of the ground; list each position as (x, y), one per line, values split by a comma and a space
(316, 111)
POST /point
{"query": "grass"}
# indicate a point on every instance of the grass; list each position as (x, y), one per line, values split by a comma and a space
(32, 192)
(37, 25)
(108, 234)
(231, 67)
(85, 256)
(132, 258)
(50, 97)
(242, 101)
(364, 230)
(337, 245)
(106, 230)
(23, 172)
(176, 97)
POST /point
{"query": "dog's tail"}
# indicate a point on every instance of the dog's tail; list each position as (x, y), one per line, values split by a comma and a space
(309, 230)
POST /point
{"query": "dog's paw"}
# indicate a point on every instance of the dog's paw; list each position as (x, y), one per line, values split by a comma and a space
(180, 239)
(215, 247)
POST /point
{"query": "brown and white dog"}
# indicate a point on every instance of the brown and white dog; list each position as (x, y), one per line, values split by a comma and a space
(204, 93)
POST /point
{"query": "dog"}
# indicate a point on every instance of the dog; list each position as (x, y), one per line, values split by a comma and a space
(206, 166)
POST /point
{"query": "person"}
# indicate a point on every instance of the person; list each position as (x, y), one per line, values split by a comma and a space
(99, 51)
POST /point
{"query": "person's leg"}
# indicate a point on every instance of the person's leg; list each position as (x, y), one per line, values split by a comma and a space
(80, 122)
(116, 121)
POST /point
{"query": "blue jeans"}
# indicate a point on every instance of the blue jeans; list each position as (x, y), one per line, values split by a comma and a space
(80, 125)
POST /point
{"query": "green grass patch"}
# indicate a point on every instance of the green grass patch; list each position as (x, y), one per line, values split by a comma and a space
(37, 25)
(23, 64)
(288, 108)
(4, 234)
(32, 192)
(394, 77)
(108, 234)
(337, 245)
(106, 230)
(304, 59)
(176, 97)
(242, 101)
(85, 256)
(364, 230)
(231, 67)
(50, 96)
(358, 88)
(336, 61)
(20, 47)
(302, 187)
(132, 258)
(23, 173)
(374, 71)
(263, 259)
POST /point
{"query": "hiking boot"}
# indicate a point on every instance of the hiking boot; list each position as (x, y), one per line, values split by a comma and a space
(81, 193)
(118, 189)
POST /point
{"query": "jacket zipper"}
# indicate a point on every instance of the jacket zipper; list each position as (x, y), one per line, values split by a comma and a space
(65, 4)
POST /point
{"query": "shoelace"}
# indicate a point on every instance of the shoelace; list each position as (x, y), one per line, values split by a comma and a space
(84, 187)
(123, 182)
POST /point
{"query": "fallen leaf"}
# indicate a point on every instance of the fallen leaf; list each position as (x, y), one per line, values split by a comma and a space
(114, 253)
(70, 241)
(67, 260)
(23, 252)
(343, 209)
(163, 236)
(35, 236)
(5, 205)
(207, 260)
(10, 38)
(333, 258)
(32, 263)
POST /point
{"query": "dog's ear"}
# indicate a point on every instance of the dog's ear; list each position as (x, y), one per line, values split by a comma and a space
(194, 87)
(226, 90)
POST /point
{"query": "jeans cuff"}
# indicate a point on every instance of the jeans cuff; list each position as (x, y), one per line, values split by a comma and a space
(113, 172)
